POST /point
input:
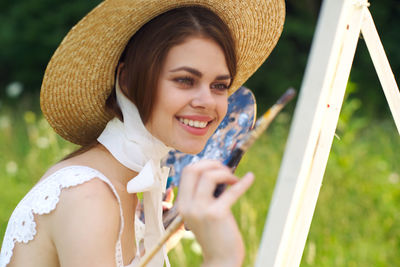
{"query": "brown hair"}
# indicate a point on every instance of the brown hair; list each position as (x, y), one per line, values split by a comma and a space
(147, 49)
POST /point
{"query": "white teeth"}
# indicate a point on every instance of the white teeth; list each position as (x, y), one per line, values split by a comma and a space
(197, 124)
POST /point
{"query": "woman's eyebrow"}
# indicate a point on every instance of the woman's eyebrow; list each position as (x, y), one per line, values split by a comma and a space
(223, 77)
(199, 74)
(188, 69)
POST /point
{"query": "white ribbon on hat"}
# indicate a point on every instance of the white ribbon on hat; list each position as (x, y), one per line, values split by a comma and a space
(134, 147)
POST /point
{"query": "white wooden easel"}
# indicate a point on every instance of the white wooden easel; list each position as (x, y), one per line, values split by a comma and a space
(313, 128)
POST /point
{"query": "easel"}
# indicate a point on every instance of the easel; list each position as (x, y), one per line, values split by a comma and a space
(314, 124)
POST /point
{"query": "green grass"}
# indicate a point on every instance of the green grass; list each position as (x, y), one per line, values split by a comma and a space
(357, 219)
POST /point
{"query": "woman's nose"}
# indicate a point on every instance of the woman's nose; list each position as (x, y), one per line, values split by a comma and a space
(204, 98)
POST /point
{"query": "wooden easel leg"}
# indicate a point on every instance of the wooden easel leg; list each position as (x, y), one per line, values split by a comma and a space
(311, 134)
(382, 66)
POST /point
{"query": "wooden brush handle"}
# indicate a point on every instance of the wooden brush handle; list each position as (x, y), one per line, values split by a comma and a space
(174, 226)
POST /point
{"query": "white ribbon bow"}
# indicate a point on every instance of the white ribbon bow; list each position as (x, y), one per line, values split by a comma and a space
(134, 147)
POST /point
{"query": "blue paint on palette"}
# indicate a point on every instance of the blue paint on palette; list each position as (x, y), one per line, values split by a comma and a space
(239, 120)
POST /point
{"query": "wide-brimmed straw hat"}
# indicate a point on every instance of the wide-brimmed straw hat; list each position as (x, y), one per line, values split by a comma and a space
(81, 73)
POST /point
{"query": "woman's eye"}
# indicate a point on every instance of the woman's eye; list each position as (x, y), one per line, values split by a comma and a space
(220, 86)
(186, 81)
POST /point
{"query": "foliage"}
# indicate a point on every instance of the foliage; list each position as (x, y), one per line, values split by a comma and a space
(30, 31)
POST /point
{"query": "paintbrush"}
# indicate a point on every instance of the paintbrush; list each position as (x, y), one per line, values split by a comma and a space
(261, 125)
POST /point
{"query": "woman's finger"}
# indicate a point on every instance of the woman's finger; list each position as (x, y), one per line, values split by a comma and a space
(209, 181)
(169, 195)
(231, 195)
(190, 177)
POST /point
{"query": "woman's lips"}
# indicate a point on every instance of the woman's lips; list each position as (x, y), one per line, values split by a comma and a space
(195, 124)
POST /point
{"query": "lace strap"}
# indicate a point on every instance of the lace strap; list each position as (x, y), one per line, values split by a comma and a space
(42, 199)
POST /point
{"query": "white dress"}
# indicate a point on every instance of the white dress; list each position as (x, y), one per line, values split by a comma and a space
(43, 199)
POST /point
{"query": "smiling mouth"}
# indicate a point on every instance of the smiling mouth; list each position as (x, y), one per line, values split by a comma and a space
(194, 123)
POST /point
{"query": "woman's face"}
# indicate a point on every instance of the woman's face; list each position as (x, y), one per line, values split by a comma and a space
(192, 95)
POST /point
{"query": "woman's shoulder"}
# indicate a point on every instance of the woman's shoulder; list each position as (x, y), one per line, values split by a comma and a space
(82, 186)
(81, 206)
(89, 211)
(93, 192)
(76, 187)
(68, 193)
(87, 222)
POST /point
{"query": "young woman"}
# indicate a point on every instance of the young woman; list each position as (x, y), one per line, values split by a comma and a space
(131, 81)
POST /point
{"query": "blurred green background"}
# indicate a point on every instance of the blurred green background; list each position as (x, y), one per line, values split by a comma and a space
(356, 223)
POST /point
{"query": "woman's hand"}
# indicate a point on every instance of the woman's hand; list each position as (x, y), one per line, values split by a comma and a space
(210, 218)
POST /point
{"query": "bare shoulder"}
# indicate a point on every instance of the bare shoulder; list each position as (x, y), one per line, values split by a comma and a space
(86, 224)
(92, 203)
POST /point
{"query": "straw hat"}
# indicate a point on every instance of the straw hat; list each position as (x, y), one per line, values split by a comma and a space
(80, 75)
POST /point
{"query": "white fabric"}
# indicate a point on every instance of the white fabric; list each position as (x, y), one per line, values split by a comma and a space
(43, 199)
(134, 147)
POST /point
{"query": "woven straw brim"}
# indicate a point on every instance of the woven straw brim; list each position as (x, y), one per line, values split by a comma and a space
(80, 75)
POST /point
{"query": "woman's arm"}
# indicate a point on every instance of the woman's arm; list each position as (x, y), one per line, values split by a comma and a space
(210, 218)
(86, 225)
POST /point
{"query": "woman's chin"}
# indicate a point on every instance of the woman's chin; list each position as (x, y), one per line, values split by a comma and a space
(191, 148)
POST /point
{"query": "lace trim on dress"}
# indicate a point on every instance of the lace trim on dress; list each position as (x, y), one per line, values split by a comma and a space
(42, 199)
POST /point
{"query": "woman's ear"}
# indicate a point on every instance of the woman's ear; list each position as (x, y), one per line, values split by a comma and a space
(122, 77)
